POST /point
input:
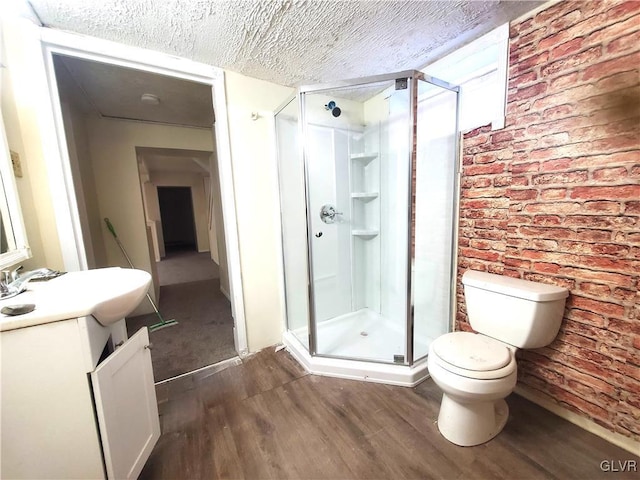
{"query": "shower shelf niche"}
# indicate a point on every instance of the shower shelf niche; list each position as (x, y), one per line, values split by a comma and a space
(365, 234)
(364, 196)
(364, 158)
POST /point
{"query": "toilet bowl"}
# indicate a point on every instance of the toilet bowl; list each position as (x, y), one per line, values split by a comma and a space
(476, 371)
(473, 410)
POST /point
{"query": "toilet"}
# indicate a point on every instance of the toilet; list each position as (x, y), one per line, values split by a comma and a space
(476, 371)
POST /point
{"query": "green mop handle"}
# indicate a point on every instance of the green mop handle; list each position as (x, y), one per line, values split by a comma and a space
(110, 227)
(124, 252)
(113, 232)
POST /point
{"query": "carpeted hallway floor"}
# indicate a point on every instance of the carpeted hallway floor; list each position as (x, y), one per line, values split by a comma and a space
(204, 334)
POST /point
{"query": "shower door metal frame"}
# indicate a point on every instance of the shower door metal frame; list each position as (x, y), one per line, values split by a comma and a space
(456, 193)
(276, 112)
(414, 76)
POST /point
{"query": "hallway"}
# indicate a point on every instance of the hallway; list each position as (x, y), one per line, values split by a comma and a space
(189, 293)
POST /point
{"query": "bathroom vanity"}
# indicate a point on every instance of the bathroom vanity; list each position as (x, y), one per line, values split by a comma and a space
(77, 398)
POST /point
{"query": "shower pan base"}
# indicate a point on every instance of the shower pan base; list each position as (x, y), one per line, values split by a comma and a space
(390, 374)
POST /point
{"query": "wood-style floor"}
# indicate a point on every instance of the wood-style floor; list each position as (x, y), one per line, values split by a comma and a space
(267, 419)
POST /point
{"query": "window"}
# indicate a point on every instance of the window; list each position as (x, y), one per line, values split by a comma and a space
(480, 68)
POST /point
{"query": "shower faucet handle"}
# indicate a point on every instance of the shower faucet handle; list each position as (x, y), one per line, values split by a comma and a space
(328, 213)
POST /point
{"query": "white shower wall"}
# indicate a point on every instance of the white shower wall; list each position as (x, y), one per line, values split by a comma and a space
(328, 163)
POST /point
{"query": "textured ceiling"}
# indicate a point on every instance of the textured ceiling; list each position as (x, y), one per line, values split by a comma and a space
(289, 42)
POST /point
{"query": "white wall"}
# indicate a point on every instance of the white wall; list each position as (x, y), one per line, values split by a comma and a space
(22, 97)
(257, 205)
(84, 184)
(113, 152)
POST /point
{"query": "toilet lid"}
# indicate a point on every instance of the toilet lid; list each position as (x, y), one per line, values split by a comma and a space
(471, 351)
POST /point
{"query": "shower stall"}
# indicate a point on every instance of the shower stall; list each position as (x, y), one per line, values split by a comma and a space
(368, 173)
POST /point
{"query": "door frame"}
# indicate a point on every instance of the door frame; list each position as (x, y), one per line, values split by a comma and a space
(59, 168)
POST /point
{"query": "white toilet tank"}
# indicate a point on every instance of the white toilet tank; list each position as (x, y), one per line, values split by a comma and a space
(518, 312)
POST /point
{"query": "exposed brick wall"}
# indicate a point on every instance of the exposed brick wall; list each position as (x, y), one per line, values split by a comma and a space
(555, 197)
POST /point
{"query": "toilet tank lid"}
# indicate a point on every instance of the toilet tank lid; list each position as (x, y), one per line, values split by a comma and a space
(514, 287)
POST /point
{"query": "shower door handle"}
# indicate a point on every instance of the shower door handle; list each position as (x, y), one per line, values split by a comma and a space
(328, 213)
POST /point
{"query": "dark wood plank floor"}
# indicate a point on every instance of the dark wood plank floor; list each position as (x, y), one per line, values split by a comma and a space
(267, 419)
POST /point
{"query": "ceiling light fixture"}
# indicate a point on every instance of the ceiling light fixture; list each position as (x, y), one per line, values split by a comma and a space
(150, 99)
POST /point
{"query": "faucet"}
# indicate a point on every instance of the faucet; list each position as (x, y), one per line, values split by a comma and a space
(18, 283)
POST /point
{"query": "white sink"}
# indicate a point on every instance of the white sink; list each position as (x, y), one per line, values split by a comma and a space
(109, 294)
(118, 291)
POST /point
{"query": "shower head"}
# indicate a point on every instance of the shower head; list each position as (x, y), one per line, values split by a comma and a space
(335, 110)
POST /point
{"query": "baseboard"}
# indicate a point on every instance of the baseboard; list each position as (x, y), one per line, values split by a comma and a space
(225, 293)
(612, 437)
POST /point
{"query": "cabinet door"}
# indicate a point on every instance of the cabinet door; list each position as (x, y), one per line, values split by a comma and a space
(126, 406)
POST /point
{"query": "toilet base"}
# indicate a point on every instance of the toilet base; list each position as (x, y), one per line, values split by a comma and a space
(469, 424)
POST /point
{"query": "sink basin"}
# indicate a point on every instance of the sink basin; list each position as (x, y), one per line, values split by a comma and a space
(119, 291)
(109, 294)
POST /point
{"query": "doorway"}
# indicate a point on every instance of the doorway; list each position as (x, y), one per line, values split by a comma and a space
(181, 348)
(178, 224)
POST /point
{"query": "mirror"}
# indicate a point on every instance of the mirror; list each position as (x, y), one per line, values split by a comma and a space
(13, 241)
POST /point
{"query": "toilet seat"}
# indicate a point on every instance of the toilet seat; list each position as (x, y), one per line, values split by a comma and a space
(473, 356)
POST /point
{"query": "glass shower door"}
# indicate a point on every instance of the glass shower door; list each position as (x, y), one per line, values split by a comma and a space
(434, 211)
(356, 161)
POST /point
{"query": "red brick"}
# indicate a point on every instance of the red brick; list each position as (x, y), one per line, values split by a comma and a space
(615, 173)
(547, 220)
(529, 63)
(624, 326)
(564, 21)
(572, 46)
(559, 111)
(523, 79)
(477, 131)
(480, 254)
(546, 267)
(553, 193)
(626, 295)
(550, 233)
(608, 277)
(612, 31)
(612, 208)
(609, 67)
(593, 248)
(483, 193)
(572, 61)
(482, 182)
(585, 317)
(522, 194)
(591, 235)
(601, 221)
(625, 43)
(525, 167)
(632, 208)
(622, 192)
(564, 177)
(595, 288)
(502, 181)
(557, 208)
(530, 91)
(597, 306)
(484, 169)
(564, 81)
(609, 264)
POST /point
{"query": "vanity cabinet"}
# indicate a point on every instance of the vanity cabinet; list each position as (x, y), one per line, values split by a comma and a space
(70, 408)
